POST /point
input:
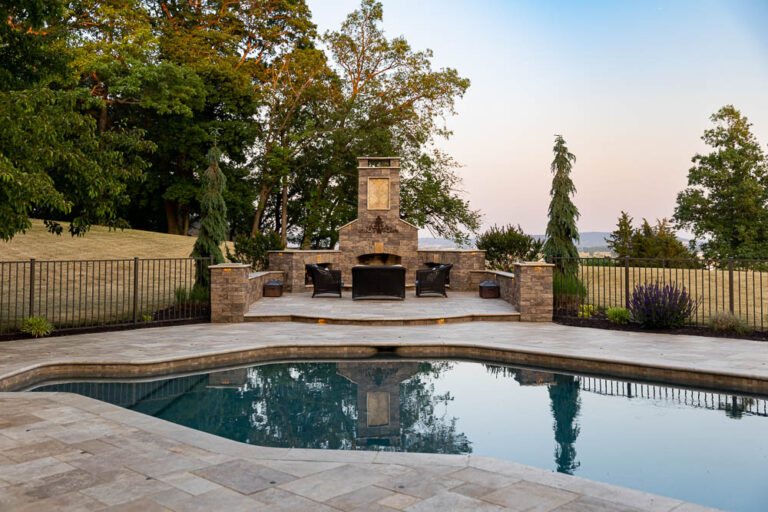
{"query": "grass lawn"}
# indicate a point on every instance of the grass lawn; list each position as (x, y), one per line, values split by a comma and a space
(98, 243)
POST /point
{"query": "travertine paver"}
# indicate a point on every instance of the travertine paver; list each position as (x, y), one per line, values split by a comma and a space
(458, 304)
(103, 474)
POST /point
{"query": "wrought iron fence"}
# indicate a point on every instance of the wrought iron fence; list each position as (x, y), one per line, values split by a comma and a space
(88, 294)
(735, 286)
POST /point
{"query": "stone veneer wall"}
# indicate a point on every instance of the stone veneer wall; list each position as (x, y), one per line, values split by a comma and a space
(403, 243)
(234, 288)
(465, 263)
(292, 263)
(532, 292)
(529, 289)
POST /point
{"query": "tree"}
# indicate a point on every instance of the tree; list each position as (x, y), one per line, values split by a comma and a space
(561, 229)
(658, 242)
(54, 163)
(213, 221)
(620, 240)
(507, 244)
(727, 194)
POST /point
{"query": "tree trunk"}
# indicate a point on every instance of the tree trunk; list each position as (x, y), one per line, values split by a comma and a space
(311, 223)
(171, 217)
(185, 214)
(261, 205)
(284, 216)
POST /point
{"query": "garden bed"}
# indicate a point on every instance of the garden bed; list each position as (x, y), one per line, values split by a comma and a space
(691, 330)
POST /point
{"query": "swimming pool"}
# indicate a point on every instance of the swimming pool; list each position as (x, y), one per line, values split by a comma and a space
(698, 446)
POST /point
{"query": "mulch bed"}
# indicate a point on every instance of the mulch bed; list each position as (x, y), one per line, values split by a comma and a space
(603, 323)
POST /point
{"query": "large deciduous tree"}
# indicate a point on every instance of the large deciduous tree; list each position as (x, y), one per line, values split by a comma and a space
(562, 232)
(725, 203)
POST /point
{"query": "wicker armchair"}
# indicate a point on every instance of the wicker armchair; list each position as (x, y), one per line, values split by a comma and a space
(431, 282)
(326, 282)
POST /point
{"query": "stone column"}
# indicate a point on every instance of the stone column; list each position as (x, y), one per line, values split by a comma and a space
(229, 292)
(532, 291)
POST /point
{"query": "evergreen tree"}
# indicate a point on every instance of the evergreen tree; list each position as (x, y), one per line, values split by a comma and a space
(213, 221)
(620, 240)
(561, 229)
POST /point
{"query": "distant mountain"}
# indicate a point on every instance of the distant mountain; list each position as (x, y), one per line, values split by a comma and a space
(587, 239)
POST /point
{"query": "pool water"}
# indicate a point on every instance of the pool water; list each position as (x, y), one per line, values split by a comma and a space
(697, 446)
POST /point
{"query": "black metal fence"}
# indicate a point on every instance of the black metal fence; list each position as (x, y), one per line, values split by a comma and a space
(87, 294)
(735, 286)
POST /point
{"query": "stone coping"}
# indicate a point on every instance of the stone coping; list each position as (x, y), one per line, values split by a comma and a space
(306, 250)
(533, 264)
(69, 452)
(499, 273)
(382, 322)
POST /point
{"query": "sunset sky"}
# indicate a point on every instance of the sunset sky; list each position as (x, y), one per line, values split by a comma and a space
(629, 84)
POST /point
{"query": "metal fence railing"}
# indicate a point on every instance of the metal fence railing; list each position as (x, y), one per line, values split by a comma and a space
(87, 294)
(736, 286)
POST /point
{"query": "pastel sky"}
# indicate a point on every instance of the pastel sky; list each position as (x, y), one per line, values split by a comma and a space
(629, 84)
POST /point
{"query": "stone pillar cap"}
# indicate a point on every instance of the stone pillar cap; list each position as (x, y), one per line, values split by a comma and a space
(230, 265)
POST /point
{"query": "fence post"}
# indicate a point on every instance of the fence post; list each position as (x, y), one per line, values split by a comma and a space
(730, 284)
(31, 286)
(135, 290)
(626, 282)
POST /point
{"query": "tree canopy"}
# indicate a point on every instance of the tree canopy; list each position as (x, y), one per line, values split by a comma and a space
(137, 86)
(725, 202)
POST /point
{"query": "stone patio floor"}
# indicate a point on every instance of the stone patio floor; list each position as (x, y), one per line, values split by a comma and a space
(458, 304)
(61, 451)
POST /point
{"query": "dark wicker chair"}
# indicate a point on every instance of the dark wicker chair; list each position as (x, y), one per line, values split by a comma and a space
(432, 281)
(378, 282)
(437, 265)
(326, 282)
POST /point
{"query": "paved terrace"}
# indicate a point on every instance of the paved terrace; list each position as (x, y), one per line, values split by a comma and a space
(460, 306)
(60, 451)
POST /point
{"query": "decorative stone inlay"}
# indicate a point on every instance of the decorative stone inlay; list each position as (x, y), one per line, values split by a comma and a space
(378, 226)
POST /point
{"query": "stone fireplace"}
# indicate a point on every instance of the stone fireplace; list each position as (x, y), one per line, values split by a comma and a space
(377, 237)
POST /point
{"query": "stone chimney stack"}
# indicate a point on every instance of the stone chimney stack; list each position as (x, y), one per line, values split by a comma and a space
(378, 189)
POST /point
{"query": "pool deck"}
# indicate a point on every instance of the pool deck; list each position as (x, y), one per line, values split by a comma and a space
(60, 451)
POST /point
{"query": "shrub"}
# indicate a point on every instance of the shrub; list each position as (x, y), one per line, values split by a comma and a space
(657, 306)
(618, 315)
(37, 326)
(728, 322)
(253, 249)
(198, 294)
(506, 244)
(586, 310)
(569, 292)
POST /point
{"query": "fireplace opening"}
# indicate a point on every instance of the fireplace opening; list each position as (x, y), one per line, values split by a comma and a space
(379, 259)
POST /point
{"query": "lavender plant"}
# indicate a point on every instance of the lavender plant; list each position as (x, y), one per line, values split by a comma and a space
(657, 306)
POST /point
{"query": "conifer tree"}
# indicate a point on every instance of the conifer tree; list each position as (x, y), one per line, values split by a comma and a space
(560, 247)
(620, 240)
(213, 220)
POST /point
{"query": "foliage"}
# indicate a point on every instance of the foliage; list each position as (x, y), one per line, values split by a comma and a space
(620, 240)
(725, 201)
(618, 315)
(661, 306)
(37, 326)
(196, 295)
(725, 321)
(562, 232)
(253, 250)
(213, 221)
(506, 244)
(54, 163)
(569, 292)
(587, 310)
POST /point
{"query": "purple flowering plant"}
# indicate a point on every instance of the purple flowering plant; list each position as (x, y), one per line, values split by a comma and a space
(661, 306)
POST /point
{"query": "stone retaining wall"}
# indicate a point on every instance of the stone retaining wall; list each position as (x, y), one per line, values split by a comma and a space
(234, 288)
(529, 289)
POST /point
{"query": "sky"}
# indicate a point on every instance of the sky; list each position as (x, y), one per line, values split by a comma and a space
(630, 84)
